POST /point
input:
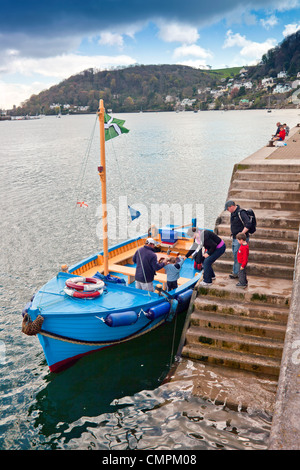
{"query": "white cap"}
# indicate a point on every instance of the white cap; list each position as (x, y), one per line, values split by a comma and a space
(150, 240)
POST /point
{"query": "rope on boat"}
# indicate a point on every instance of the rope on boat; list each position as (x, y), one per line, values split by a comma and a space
(173, 341)
(34, 327)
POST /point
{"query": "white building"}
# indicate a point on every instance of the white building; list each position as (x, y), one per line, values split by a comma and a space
(169, 99)
(282, 74)
(55, 105)
(187, 102)
(282, 88)
(268, 81)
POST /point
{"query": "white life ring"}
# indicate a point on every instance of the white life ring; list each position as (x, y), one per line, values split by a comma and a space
(82, 295)
(84, 284)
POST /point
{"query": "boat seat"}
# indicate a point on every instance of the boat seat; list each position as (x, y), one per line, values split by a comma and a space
(125, 256)
(130, 272)
(184, 244)
(122, 256)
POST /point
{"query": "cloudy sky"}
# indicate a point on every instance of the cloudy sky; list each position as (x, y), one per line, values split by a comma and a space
(42, 43)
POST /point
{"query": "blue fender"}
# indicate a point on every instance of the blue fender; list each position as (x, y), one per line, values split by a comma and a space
(158, 311)
(121, 318)
(184, 299)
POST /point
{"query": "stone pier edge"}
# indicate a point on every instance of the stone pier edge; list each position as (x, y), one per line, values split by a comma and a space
(285, 428)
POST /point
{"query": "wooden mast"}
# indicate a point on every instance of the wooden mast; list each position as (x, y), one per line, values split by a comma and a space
(102, 174)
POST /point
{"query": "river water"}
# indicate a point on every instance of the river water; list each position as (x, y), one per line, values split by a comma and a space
(114, 399)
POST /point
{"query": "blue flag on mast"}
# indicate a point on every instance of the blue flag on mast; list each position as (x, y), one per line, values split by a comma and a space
(134, 214)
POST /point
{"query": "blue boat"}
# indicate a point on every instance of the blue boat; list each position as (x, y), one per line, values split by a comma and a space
(95, 304)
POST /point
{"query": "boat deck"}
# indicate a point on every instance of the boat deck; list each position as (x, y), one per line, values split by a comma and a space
(121, 265)
(52, 300)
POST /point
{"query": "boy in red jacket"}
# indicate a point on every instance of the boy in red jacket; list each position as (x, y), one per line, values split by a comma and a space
(242, 258)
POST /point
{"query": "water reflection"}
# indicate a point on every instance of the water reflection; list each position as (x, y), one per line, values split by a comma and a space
(165, 418)
(96, 384)
(113, 400)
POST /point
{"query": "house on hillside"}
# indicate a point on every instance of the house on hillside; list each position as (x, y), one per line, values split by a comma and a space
(243, 72)
(248, 85)
(266, 82)
(282, 88)
(55, 105)
(187, 102)
(169, 99)
(282, 74)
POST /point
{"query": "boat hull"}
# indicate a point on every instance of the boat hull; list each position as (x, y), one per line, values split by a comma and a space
(74, 327)
(66, 337)
(62, 352)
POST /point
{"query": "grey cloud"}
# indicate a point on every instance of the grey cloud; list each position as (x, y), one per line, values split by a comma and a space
(36, 17)
(50, 27)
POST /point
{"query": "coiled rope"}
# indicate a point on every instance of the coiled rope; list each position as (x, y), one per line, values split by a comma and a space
(30, 327)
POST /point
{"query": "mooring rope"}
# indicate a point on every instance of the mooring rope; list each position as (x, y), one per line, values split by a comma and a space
(173, 340)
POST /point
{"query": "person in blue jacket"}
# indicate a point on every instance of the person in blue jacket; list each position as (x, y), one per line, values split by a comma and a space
(172, 269)
(146, 265)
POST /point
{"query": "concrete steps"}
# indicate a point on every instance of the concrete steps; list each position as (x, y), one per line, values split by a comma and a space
(233, 359)
(258, 269)
(275, 199)
(281, 246)
(269, 257)
(245, 328)
(255, 175)
(271, 168)
(269, 218)
(235, 342)
(266, 204)
(254, 194)
(265, 232)
(262, 185)
(247, 310)
(238, 329)
(261, 292)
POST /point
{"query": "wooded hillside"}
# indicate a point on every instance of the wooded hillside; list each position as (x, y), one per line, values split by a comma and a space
(141, 87)
(164, 87)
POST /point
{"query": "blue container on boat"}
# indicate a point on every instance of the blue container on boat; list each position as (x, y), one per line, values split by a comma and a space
(158, 311)
(168, 235)
(121, 318)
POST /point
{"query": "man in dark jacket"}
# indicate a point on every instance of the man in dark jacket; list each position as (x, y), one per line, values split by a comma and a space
(239, 223)
(146, 266)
